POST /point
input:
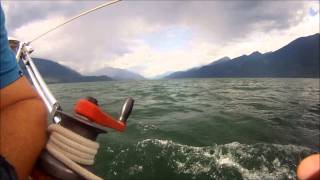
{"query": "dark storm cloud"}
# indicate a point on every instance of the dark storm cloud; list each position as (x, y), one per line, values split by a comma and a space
(22, 12)
(232, 17)
(115, 31)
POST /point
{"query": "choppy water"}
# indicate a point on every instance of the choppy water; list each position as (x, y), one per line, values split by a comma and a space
(205, 128)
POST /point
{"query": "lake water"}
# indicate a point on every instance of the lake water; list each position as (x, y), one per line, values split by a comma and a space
(205, 128)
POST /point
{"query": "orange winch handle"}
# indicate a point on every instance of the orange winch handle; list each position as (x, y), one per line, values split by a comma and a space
(93, 113)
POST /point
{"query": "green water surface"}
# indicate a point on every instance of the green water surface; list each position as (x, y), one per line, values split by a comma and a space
(221, 128)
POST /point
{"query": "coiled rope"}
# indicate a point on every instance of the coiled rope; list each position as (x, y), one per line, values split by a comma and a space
(72, 150)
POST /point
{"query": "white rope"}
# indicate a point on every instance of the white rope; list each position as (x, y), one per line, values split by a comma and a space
(72, 150)
(72, 146)
(73, 136)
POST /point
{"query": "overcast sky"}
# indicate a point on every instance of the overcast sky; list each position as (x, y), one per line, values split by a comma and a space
(155, 37)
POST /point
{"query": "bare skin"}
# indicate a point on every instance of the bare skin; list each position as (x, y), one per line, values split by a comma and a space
(23, 122)
(309, 168)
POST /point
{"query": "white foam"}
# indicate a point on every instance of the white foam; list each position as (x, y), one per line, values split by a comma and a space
(208, 161)
(135, 169)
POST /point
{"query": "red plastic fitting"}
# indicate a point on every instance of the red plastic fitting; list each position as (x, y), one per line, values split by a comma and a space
(95, 114)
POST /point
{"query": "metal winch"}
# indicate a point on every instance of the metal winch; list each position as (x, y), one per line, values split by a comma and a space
(84, 124)
(71, 148)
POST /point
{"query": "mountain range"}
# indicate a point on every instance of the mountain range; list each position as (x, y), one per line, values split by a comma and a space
(118, 74)
(300, 58)
(53, 72)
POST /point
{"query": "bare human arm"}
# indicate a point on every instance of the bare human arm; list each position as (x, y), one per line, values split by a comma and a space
(23, 123)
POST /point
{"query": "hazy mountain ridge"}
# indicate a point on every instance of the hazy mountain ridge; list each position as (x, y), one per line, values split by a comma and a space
(194, 69)
(118, 74)
(300, 58)
(53, 72)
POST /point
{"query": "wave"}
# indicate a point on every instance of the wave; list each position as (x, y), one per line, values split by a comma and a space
(165, 159)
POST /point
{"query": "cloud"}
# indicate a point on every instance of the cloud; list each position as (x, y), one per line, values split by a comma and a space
(19, 13)
(153, 37)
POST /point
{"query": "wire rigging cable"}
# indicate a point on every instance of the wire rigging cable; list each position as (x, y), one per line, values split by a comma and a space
(75, 17)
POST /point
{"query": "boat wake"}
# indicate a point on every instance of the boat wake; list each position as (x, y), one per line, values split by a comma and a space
(165, 159)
